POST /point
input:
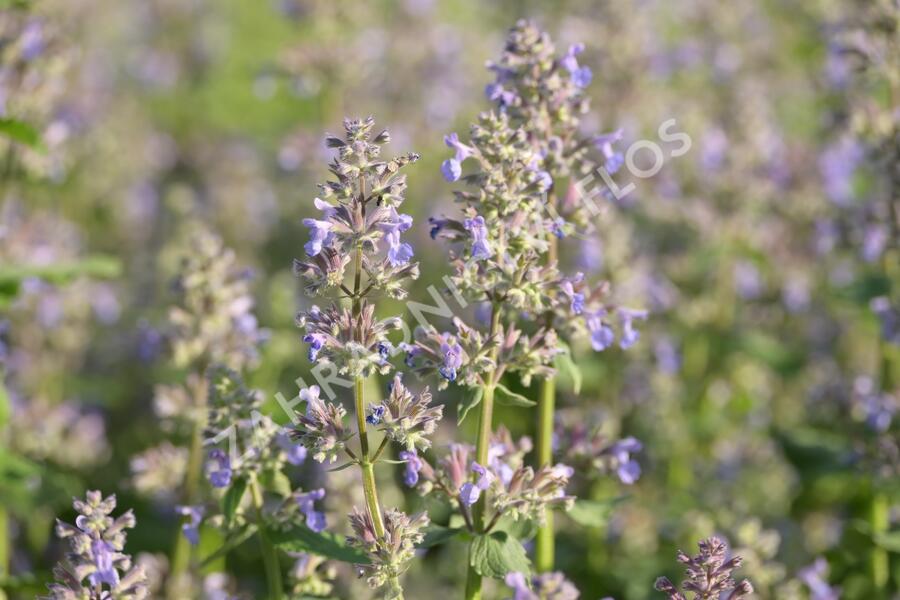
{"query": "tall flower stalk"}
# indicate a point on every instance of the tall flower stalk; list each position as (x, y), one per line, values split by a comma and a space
(211, 323)
(355, 250)
(542, 92)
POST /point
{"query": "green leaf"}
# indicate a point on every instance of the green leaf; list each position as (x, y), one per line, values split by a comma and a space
(565, 364)
(232, 499)
(510, 398)
(594, 513)
(498, 553)
(303, 539)
(233, 541)
(98, 266)
(436, 535)
(465, 406)
(21, 132)
(343, 466)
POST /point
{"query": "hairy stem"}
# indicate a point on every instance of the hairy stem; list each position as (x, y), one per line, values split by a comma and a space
(181, 555)
(267, 550)
(544, 542)
(485, 418)
(544, 545)
(365, 464)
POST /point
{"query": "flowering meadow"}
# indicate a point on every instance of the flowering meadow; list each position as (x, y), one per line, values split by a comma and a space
(587, 299)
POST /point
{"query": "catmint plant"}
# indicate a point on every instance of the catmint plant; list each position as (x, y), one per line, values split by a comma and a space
(356, 253)
(504, 256)
(246, 469)
(542, 91)
(709, 575)
(212, 323)
(96, 567)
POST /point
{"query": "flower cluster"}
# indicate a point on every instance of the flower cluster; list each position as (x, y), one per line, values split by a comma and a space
(515, 489)
(363, 225)
(709, 575)
(545, 92)
(96, 567)
(544, 586)
(389, 555)
(581, 445)
(321, 427)
(356, 343)
(213, 320)
(264, 445)
(405, 418)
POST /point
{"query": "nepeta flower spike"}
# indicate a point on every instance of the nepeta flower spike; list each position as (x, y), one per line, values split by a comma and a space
(356, 251)
(96, 568)
(709, 575)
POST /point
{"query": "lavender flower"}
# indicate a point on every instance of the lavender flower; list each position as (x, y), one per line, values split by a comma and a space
(96, 566)
(413, 466)
(406, 418)
(545, 586)
(218, 469)
(452, 167)
(213, 320)
(191, 529)
(814, 577)
(477, 228)
(628, 469)
(321, 428)
(315, 520)
(709, 575)
(581, 76)
(453, 358)
(391, 554)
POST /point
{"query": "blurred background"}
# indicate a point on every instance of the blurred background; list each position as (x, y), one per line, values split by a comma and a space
(765, 384)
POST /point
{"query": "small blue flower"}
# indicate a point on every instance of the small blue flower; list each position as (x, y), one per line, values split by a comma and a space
(218, 469)
(102, 553)
(495, 92)
(556, 226)
(316, 341)
(480, 247)
(519, 585)
(376, 413)
(294, 453)
(315, 520)
(602, 335)
(452, 353)
(451, 169)
(319, 235)
(581, 76)
(398, 253)
(413, 466)
(469, 493)
(384, 350)
(628, 470)
(191, 529)
(630, 335)
(576, 299)
(485, 477)
(604, 143)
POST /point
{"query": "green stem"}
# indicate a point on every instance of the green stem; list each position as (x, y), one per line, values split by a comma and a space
(269, 554)
(544, 546)
(368, 472)
(880, 522)
(485, 419)
(4, 545)
(181, 555)
(544, 542)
